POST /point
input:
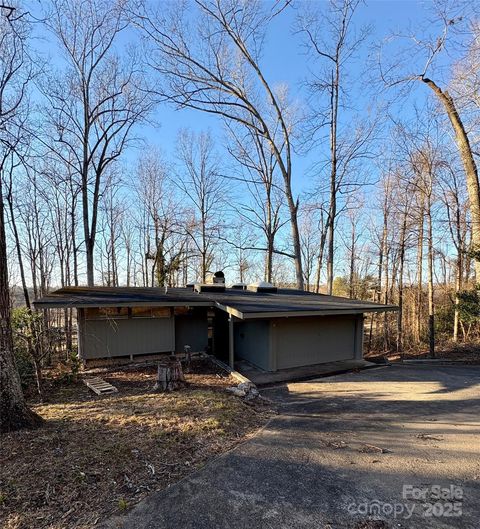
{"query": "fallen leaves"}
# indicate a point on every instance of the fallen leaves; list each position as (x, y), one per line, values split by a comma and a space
(100, 455)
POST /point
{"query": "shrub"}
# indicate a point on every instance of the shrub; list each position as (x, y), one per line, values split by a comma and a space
(21, 318)
(444, 318)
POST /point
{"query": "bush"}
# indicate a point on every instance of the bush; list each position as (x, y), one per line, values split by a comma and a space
(469, 306)
(24, 323)
(444, 319)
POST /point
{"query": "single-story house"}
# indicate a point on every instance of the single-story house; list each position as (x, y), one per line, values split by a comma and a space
(268, 327)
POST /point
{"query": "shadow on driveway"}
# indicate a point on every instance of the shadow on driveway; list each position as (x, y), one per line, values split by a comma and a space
(338, 455)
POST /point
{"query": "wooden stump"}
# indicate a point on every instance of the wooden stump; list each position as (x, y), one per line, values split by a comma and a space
(169, 375)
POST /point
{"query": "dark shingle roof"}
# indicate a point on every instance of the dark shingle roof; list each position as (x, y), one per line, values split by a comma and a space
(243, 304)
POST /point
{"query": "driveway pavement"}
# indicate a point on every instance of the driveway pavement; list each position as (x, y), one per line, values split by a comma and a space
(339, 455)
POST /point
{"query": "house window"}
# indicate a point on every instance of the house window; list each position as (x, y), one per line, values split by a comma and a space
(150, 312)
(107, 313)
(182, 311)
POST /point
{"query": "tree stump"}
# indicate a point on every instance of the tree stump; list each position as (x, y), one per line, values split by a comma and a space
(169, 375)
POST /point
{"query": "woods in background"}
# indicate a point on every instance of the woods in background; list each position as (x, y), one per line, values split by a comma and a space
(359, 180)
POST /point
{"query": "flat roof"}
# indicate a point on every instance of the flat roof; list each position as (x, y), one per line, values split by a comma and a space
(242, 304)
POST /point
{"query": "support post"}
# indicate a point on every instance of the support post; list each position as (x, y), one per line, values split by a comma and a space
(231, 348)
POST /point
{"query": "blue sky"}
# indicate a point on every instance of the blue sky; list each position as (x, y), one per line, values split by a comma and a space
(284, 61)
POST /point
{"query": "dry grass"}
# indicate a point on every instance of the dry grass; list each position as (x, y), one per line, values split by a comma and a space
(466, 353)
(97, 456)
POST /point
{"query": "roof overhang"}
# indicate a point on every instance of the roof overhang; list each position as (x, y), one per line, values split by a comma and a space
(300, 313)
(235, 307)
(79, 305)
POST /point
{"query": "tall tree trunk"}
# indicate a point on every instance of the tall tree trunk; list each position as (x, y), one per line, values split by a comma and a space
(386, 329)
(400, 282)
(419, 301)
(297, 248)
(378, 289)
(269, 259)
(332, 214)
(14, 413)
(270, 238)
(352, 265)
(431, 315)
(320, 262)
(470, 167)
(18, 249)
(458, 288)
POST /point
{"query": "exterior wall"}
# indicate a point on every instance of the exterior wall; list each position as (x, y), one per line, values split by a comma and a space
(300, 341)
(252, 342)
(359, 334)
(125, 337)
(192, 330)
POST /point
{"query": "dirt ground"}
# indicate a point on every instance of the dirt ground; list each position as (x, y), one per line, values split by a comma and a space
(465, 353)
(97, 456)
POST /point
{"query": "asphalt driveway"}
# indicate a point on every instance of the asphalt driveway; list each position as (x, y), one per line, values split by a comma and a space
(389, 447)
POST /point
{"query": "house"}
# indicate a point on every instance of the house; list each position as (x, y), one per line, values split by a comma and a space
(270, 328)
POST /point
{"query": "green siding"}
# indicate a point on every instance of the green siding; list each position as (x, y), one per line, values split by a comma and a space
(313, 340)
(136, 336)
(252, 342)
(192, 330)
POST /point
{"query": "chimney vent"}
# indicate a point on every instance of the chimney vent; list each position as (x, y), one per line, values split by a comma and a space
(216, 278)
(262, 286)
(215, 283)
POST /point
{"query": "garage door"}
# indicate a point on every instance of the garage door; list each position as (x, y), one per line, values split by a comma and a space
(304, 341)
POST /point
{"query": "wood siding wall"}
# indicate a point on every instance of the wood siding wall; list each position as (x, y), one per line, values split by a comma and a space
(252, 342)
(192, 330)
(303, 341)
(138, 336)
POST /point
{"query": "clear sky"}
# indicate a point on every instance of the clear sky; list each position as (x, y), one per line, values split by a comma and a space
(285, 62)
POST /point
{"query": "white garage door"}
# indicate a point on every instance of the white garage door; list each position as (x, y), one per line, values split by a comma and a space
(313, 340)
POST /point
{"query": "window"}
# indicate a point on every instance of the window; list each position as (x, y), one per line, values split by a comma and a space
(150, 312)
(123, 313)
(181, 311)
(107, 313)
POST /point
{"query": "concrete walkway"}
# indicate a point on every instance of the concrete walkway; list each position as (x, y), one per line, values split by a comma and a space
(266, 378)
(342, 449)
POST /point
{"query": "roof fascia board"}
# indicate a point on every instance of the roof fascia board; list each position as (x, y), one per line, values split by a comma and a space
(63, 305)
(292, 314)
(230, 310)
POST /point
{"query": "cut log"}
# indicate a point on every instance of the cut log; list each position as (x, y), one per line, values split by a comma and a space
(169, 375)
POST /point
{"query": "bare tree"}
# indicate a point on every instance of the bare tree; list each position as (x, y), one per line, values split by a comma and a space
(331, 41)
(310, 249)
(15, 75)
(456, 207)
(112, 212)
(211, 62)
(160, 221)
(416, 62)
(425, 166)
(200, 181)
(95, 101)
(353, 249)
(7, 176)
(259, 177)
